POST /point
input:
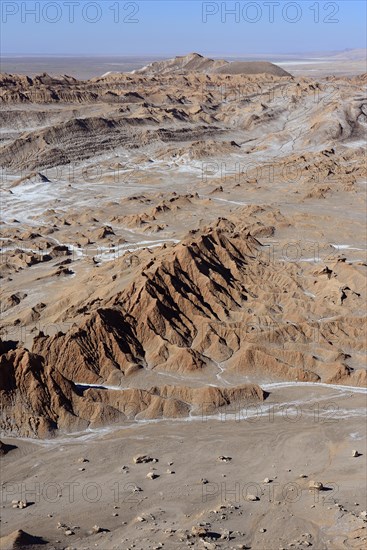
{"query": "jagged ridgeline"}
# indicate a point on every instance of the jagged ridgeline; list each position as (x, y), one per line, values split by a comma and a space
(189, 310)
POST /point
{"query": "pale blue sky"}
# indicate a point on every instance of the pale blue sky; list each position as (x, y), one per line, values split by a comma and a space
(178, 27)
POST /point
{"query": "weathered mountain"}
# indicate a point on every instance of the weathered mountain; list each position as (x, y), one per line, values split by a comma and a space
(195, 62)
(201, 304)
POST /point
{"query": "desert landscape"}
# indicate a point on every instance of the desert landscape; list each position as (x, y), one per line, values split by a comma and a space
(183, 306)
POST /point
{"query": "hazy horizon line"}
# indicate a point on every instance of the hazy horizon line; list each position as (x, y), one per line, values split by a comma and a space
(214, 54)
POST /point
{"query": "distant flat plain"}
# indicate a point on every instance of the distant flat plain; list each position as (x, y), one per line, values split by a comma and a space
(84, 68)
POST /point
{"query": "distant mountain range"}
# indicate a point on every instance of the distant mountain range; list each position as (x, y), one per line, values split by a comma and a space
(359, 54)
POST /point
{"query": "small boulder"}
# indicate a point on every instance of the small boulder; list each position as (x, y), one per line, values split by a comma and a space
(143, 459)
(19, 504)
(225, 534)
(198, 531)
(315, 485)
(140, 519)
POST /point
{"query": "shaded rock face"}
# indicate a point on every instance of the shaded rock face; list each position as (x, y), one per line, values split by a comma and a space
(37, 400)
(20, 539)
(5, 449)
(32, 396)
